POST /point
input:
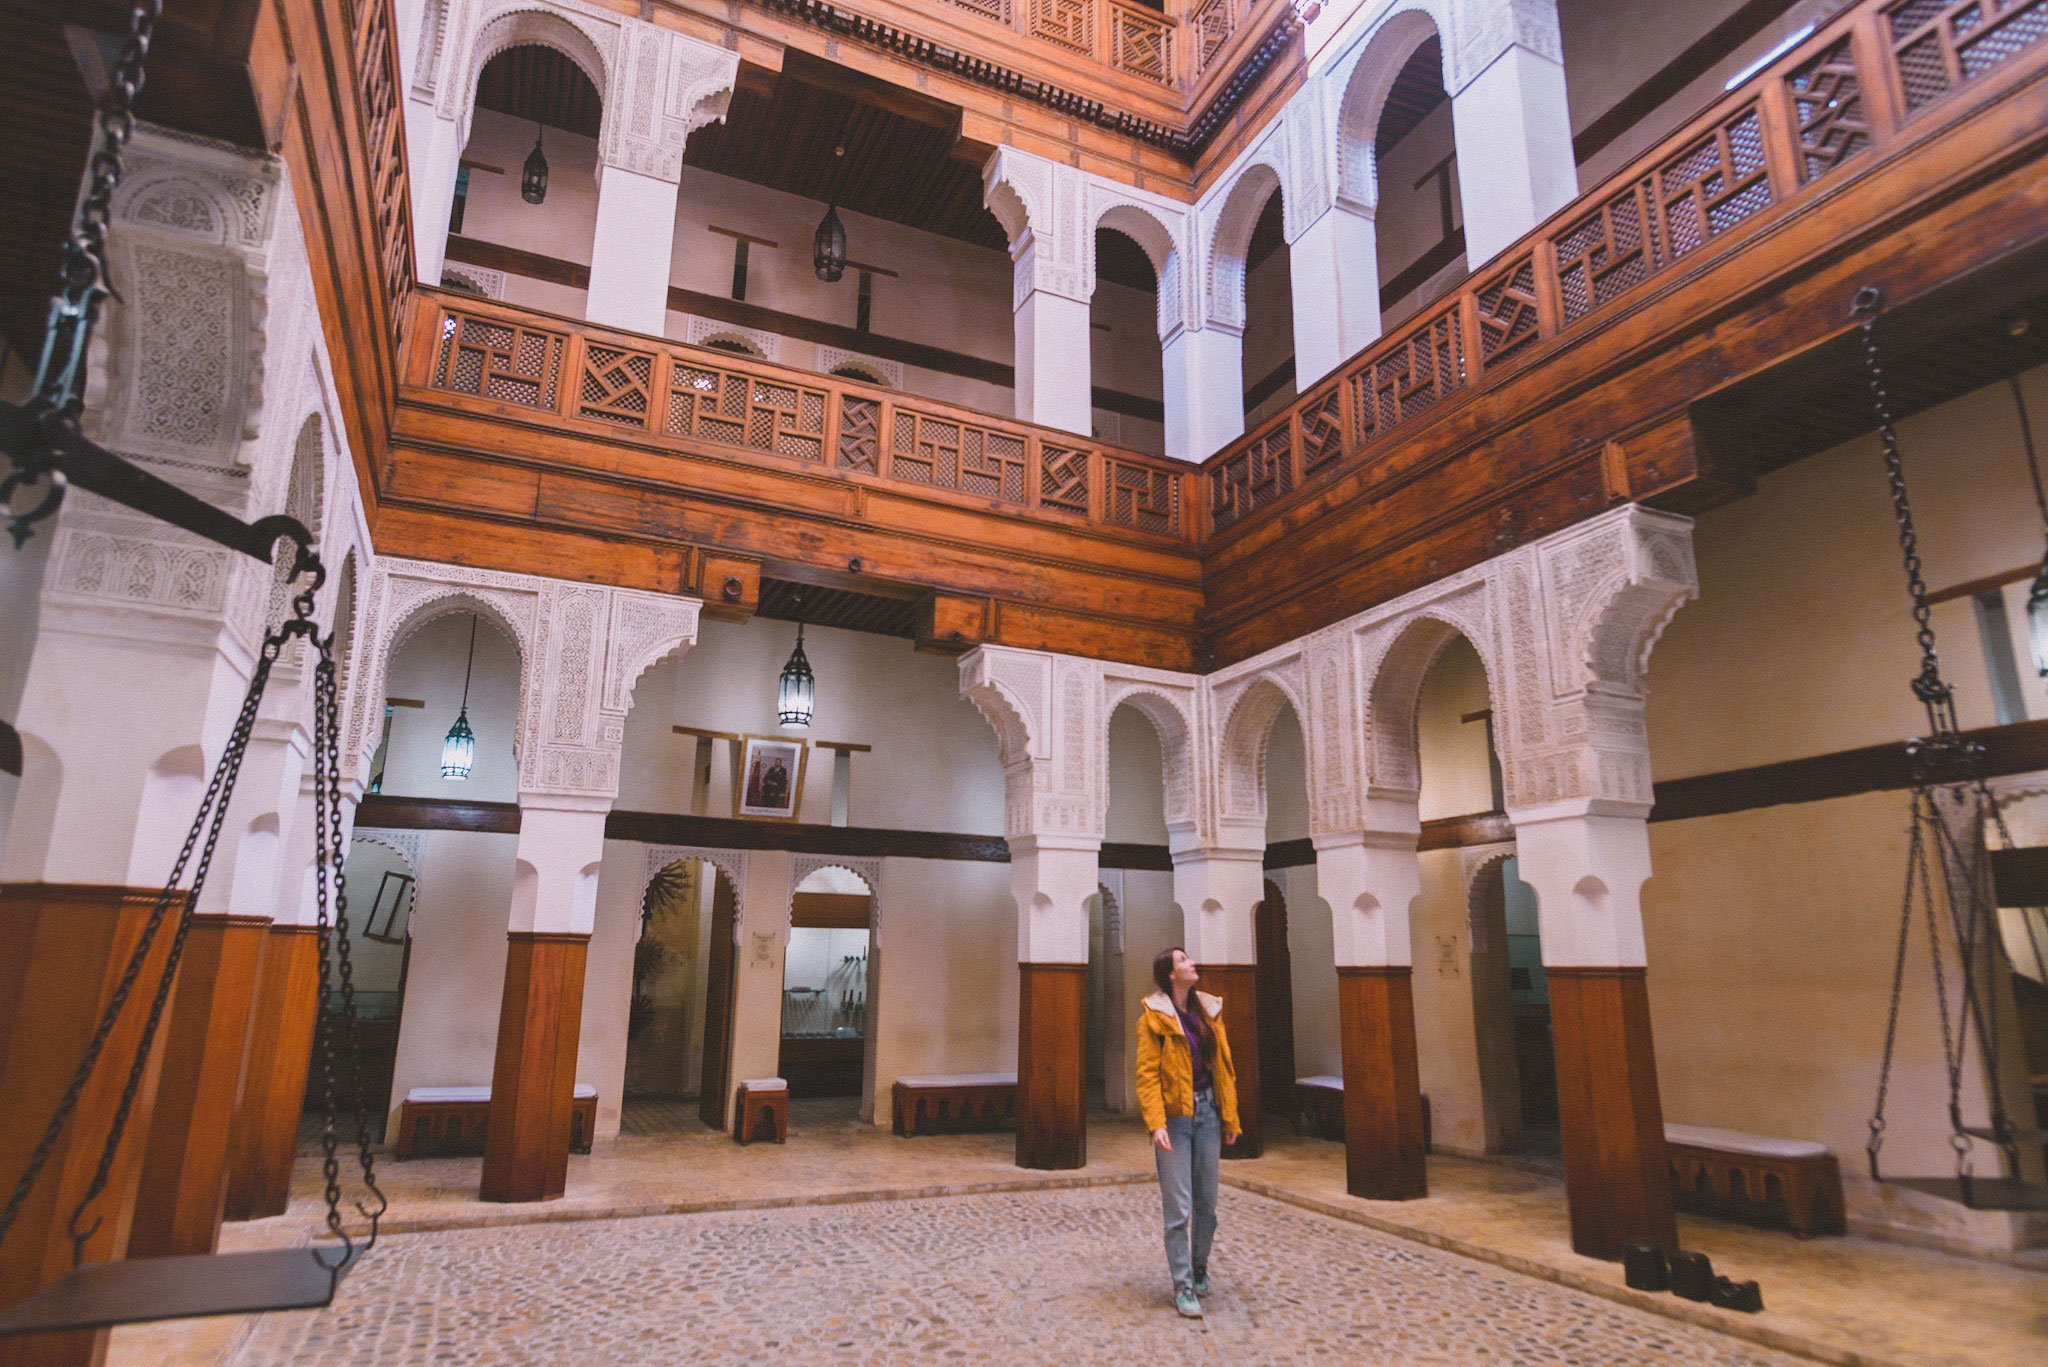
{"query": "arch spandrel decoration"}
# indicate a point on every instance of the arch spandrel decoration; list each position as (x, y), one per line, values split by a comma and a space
(869, 871)
(1171, 708)
(731, 863)
(1230, 235)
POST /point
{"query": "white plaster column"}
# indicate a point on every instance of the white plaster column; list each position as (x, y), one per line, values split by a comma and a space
(1511, 124)
(1052, 879)
(1372, 880)
(1218, 892)
(630, 252)
(1335, 276)
(561, 844)
(1204, 389)
(1053, 358)
(435, 159)
(1587, 862)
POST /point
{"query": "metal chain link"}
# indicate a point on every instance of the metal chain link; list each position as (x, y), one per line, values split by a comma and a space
(83, 279)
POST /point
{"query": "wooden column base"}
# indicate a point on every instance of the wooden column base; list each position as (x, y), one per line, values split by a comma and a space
(206, 1040)
(264, 1138)
(1617, 1178)
(533, 1085)
(62, 950)
(1238, 985)
(1383, 1135)
(1052, 1074)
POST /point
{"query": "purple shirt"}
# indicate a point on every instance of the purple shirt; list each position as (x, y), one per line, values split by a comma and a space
(1193, 1030)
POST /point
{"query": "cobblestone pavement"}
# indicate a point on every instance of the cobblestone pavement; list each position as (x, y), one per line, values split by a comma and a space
(1024, 1277)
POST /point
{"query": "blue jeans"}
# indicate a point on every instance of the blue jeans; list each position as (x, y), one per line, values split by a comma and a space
(1187, 1187)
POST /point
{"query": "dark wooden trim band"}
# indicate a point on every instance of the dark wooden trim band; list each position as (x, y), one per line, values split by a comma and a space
(1676, 74)
(1413, 276)
(1457, 832)
(379, 812)
(1117, 855)
(1266, 388)
(2019, 748)
(552, 937)
(1972, 587)
(497, 256)
(1375, 970)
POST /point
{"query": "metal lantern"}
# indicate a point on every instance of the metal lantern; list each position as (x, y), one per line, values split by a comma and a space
(2037, 620)
(533, 180)
(828, 247)
(797, 690)
(458, 751)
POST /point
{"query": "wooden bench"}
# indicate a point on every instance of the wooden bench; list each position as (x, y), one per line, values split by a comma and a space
(450, 1122)
(1319, 1108)
(761, 1104)
(1777, 1183)
(954, 1103)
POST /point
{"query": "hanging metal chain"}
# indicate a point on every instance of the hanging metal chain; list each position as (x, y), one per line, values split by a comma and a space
(83, 281)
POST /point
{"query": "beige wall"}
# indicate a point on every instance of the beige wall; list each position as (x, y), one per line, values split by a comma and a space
(1770, 932)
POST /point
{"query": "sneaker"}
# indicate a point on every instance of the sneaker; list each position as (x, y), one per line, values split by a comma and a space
(1185, 1302)
(1202, 1281)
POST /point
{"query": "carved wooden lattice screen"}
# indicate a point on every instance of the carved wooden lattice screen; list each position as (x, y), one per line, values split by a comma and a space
(617, 385)
(1211, 23)
(499, 361)
(1424, 368)
(745, 410)
(1140, 45)
(390, 200)
(948, 454)
(1827, 103)
(1322, 432)
(1509, 318)
(860, 434)
(1252, 478)
(1940, 44)
(1714, 184)
(1063, 478)
(1141, 497)
(1070, 23)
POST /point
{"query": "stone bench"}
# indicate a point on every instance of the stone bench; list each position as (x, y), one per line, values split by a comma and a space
(954, 1103)
(450, 1122)
(1319, 1108)
(1789, 1183)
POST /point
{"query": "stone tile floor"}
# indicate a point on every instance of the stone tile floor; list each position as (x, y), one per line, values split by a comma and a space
(942, 1247)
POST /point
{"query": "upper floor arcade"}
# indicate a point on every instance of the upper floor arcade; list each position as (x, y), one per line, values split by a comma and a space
(1444, 285)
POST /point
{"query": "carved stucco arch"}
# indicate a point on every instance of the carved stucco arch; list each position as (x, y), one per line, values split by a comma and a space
(1175, 728)
(523, 23)
(731, 863)
(1008, 714)
(1241, 795)
(869, 871)
(1161, 245)
(1231, 237)
(1364, 77)
(1393, 693)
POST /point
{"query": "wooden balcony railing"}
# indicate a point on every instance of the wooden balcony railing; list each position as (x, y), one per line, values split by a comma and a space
(707, 401)
(1172, 50)
(379, 89)
(1854, 88)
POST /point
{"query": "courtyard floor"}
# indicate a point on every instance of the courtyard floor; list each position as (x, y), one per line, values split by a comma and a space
(850, 1245)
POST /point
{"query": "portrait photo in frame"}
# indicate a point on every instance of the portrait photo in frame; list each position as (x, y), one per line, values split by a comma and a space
(768, 783)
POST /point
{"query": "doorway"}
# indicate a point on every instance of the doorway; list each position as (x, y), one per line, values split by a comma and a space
(1511, 1014)
(380, 951)
(825, 985)
(1275, 992)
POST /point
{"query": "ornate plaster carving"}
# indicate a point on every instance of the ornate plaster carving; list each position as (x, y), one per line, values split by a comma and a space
(699, 330)
(869, 871)
(877, 370)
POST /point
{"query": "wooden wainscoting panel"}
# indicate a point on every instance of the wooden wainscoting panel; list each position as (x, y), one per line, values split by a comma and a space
(533, 1085)
(206, 1045)
(1383, 1131)
(63, 947)
(1052, 1074)
(265, 1136)
(1238, 985)
(1617, 1178)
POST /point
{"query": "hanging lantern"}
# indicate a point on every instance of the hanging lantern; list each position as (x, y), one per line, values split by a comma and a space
(458, 751)
(533, 180)
(828, 248)
(798, 687)
(2037, 619)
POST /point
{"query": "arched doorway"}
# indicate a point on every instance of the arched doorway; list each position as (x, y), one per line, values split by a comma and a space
(1511, 1014)
(1276, 1003)
(1126, 363)
(678, 1027)
(827, 985)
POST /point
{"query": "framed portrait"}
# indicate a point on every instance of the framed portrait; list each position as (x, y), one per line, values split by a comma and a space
(770, 777)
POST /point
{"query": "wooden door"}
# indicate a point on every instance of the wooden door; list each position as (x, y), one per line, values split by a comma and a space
(719, 1000)
(1275, 996)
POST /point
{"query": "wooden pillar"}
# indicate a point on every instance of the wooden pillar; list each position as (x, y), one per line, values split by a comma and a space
(1383, 1149)
(1052, 1074)
(533, 1085)
(1237, 984)
(205, 1043)
(1617, 1178)
(63, 948)
(264, 1138)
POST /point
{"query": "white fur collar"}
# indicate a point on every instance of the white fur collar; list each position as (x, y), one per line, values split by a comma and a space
(1163, 1004)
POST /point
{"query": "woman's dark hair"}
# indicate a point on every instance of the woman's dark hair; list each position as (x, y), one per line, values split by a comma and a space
(1162, 974)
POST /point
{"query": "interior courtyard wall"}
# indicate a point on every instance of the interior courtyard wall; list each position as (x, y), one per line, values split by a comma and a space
(428, 668)
(1770, 932)
(449, 1035)
(1268, 332)
(1409, 218)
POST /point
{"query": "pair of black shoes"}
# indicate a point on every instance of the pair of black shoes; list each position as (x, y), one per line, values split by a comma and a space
(1688, 1275)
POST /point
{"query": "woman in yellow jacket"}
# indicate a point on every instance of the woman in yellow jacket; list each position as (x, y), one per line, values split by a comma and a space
(1187, 1090)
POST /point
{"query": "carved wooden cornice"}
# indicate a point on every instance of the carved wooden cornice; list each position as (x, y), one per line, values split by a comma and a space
(1185, 143)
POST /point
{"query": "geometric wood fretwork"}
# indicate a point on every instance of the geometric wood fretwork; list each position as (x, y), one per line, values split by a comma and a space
(1063, 477)
(1322, 433)
(499, 361)
(1608, 252)
(1427, 365)
(745, 410)
(1212, 22)
(617, 385)
(1940, 44)
(948, 454)
(1140, 45)
(860, 434)
(1714, 184)
(1254, 477)
(1070, 23)
(1507, 312)
(1142, 497)
(1827, 108)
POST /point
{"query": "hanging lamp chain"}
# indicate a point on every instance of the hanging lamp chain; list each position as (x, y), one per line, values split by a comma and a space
(83, 283)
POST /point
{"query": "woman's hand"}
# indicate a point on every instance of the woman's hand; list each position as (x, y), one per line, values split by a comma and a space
(1232, 1136)
(1161, 1140)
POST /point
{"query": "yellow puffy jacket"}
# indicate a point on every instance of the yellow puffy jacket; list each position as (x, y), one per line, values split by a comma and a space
(1166, 1069)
